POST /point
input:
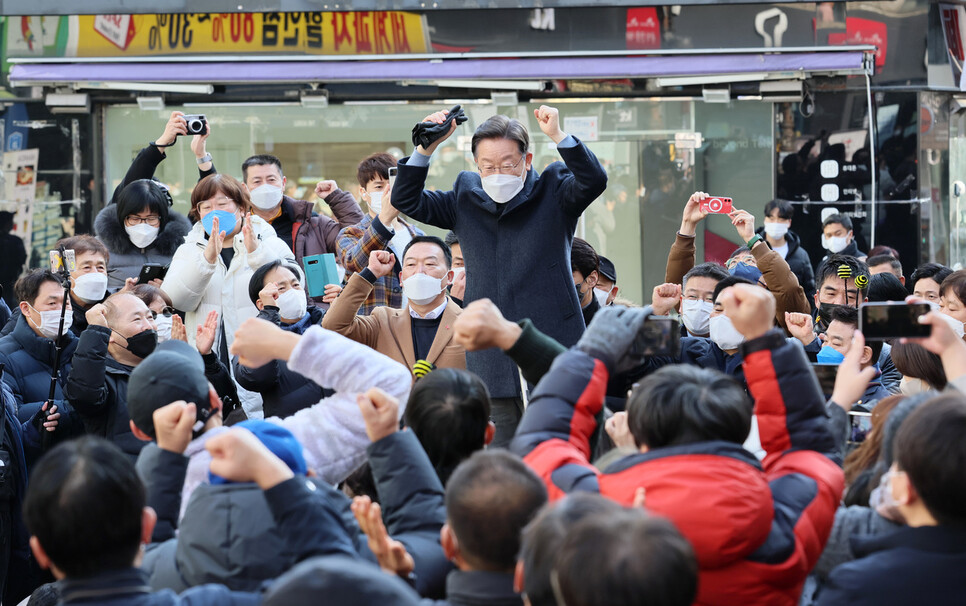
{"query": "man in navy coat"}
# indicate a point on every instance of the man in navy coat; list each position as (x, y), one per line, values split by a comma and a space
(515, 228)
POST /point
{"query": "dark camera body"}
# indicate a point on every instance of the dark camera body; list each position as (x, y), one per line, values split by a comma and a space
(197, 124)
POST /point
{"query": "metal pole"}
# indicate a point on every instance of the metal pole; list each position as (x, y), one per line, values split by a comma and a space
(874, 169)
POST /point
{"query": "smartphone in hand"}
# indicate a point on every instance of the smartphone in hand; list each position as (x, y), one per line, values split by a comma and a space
(717, 205)
(884, 321)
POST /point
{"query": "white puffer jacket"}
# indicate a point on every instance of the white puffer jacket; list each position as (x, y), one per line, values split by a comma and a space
(198, 287)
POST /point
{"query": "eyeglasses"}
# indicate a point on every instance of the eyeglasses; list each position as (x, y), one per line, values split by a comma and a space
(132, 220)
(504, 169)
(167, 312)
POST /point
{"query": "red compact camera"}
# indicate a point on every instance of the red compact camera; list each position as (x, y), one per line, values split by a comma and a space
(718, 205)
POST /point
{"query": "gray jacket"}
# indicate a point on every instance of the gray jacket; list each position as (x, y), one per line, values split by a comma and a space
(227, 536)
(126, 259)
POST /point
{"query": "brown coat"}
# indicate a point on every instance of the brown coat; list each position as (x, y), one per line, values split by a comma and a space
(389, 330)
(781, 281)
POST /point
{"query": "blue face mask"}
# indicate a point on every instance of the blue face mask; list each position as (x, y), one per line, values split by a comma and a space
(827, 355)
(226, 221)
(746, 271)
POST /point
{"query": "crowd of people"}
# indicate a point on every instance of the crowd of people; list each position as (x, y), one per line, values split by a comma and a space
(192, 418)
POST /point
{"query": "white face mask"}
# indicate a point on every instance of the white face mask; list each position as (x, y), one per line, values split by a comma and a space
(90, 287)
(292, 304)
(776, 230)
(163, 327)
(50, 322)
(601, 296)
(502, 188)
(696, 314)
(724, 334)
(266, 197)
(421, 288)
(375, 201)
(955, 324)
(142, 234)
(835, 244)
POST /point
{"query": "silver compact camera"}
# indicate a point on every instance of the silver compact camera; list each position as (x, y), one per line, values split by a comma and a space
(197, 124)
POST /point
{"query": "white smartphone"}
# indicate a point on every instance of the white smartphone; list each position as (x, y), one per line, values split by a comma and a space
(392, 176)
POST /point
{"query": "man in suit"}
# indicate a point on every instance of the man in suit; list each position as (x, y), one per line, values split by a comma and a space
(423, 328)
(515, 226)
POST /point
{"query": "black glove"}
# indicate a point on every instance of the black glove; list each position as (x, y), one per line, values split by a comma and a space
(611, 335)
(426, 133)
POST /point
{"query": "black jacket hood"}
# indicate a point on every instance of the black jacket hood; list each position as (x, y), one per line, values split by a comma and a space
(109, 229)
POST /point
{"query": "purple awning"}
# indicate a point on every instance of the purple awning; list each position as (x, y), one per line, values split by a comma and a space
(549, 68)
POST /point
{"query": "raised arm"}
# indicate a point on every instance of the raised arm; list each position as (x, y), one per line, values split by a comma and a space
(554, 435)
(343, 315)
(346, 211)
(806, 482)
(778, 276)
(680, 259)
(332, 431)
(86, 389)
(409, 193)
(586, 179)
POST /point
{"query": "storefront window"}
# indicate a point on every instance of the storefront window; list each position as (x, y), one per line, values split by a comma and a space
(46, 176)
(650, 150)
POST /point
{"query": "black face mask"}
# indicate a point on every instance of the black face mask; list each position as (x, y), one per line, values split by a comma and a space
(825, 315)
(143, 343)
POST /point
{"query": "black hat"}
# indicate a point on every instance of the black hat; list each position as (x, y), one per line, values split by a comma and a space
(175, 371)
(341, 580)
(607, 269)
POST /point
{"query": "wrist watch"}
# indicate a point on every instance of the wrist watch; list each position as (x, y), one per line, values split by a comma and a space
(754, 240)
(204, 158)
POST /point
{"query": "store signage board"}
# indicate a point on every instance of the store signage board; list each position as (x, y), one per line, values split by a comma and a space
(308, 33)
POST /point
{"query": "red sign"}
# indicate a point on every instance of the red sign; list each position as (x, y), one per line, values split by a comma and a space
(643, 29)
(864, 31)
(119, 29)
(953, 30)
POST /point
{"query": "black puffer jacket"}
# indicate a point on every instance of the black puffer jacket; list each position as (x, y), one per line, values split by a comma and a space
(126, 259)
(97, 390)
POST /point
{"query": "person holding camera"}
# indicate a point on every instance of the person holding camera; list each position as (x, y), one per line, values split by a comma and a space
(515, 228)
(138, 226)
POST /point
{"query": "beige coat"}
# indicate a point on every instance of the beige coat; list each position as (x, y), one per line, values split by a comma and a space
(389, 330)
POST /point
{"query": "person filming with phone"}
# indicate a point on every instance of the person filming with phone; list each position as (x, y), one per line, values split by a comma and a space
(515, 227)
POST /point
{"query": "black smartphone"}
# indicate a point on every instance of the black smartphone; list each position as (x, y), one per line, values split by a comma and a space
(659, 336)
(893, 320)
(152, 271)
(826, 374)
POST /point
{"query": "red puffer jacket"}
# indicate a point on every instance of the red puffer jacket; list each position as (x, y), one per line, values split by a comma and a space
(757, 529)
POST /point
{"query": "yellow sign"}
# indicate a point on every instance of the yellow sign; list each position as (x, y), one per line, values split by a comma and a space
(312, 33)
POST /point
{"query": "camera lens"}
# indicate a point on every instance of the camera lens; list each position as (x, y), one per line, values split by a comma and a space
(194, 126)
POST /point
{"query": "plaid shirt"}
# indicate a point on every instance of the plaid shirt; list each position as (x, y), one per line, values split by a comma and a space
(353, 248)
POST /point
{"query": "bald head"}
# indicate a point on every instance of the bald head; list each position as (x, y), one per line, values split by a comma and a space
(123, 306)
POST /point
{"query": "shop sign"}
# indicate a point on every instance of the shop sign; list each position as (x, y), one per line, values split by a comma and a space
(308, 33)
(643, 29)
(864, 31)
